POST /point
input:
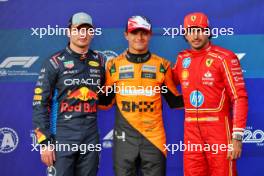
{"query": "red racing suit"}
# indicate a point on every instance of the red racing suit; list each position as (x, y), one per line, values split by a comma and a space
(216, 103)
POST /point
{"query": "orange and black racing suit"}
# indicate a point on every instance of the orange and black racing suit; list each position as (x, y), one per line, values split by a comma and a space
(139, 136)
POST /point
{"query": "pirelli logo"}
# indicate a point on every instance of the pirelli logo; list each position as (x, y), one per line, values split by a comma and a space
(142, 106)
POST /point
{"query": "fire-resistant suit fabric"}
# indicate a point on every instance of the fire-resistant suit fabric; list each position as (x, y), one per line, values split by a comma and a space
(216, 104)
(65, 109)
(139, 134)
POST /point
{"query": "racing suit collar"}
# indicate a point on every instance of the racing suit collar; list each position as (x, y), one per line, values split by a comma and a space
(138, 58)
(77, 55)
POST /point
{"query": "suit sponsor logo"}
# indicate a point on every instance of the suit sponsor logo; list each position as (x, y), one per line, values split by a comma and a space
(196, 98)
(186, 62)
(141, 106)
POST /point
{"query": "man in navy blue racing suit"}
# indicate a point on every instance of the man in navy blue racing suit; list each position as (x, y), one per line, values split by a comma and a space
(65, 103)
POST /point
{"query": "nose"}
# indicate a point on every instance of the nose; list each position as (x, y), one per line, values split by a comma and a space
(195, 35)
(139, 35)
(82, 33)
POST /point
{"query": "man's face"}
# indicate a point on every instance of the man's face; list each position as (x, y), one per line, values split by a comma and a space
(138, 40)
(81, 36)
(198, 38)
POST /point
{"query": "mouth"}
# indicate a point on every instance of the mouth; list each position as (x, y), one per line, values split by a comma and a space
(82, 39)
(196, 42)
(140, 43)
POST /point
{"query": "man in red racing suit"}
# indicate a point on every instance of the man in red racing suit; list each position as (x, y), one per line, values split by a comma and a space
(215, 101)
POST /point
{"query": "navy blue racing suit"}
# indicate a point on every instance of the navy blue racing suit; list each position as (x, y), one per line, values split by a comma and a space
(65, 110)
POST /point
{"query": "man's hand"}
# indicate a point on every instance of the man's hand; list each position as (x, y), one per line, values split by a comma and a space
(237, 150)
(47, 154)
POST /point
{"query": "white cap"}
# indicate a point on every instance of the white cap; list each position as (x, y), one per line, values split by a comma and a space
(81, 18)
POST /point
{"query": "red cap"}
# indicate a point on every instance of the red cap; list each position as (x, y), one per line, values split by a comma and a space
(197, 19)
(138, 22)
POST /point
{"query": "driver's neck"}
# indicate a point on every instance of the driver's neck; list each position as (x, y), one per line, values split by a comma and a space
(133, 51)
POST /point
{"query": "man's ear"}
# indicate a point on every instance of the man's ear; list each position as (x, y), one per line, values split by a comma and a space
(125, 35)
(185, 38)
(69, 32)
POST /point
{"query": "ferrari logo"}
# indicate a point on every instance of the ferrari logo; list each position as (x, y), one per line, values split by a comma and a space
(193, 18)
(209, 62)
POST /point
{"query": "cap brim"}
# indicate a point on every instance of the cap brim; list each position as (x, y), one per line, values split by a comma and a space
(133, 29)
(84, 24)
(196, 26)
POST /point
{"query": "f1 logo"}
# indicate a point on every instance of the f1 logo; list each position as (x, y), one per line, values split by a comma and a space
(24, 61)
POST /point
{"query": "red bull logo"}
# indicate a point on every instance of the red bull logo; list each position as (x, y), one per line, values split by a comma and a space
(83, 94)
(80, 107)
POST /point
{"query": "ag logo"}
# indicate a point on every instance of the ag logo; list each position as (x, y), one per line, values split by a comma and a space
(209, 62)
(51, 171)
(196, 98)
(8, 140)
(186, 62)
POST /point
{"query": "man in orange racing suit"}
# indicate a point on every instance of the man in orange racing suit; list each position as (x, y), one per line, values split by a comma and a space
(139, 79)
(214, 95)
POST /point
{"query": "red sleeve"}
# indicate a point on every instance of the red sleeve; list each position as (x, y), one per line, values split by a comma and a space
(235, 86)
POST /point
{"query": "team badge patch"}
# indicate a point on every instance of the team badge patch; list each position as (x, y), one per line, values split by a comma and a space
(68, 64)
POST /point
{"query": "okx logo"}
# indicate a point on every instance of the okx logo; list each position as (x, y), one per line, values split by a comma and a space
(142, 106)
(8, 140)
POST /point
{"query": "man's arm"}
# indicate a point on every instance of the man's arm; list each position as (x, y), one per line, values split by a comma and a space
(235, 86)
(172, 96)
(175, 72)
(107, 98)
(42, 100)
